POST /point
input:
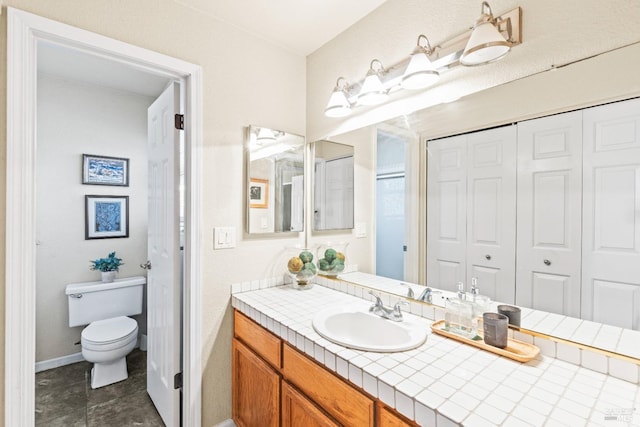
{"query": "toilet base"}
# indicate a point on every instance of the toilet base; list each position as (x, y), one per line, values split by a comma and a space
(103, 374)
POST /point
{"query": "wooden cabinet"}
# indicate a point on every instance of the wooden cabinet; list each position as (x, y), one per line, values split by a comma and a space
(274, 384)
(342, 401)
(256, 389)
(298, 410)
(387, 417)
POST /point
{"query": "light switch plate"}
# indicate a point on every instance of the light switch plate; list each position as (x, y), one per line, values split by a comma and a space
(224, 237)
(361, 230)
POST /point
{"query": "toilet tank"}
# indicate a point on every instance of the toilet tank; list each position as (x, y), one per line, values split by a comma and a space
(90, 301)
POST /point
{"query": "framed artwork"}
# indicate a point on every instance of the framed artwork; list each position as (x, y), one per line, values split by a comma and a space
(106, 217)
(258, 193)
(103, 170)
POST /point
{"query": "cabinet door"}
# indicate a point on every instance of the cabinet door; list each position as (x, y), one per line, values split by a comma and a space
(388, 418)
(447, 212)
(550, 213)
(611, 224)
(297, 410)
(491, 212)
(256, 389)
(343, 402)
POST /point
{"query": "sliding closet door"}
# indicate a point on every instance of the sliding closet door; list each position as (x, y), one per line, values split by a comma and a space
(491, 212)
(549, 213)
(611, 232)
(446, 212)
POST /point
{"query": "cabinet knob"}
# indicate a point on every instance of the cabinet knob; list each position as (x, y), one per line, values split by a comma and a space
(488, 257)
(547, 262)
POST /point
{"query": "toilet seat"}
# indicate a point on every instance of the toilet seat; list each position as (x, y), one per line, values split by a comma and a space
(109, 334)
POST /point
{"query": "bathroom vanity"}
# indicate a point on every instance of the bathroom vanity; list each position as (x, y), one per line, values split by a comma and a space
(272, 380)
(284, 372)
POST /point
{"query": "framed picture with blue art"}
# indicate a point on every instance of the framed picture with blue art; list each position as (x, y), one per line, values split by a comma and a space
(104, 170)
(106, 217)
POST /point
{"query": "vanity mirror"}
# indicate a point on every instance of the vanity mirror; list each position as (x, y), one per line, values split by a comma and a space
(332, 186)
(562, 90)
(274, 181)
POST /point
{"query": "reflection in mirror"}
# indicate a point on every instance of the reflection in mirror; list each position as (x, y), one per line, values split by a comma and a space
(275, 181)
(445, 120)
(332, 186)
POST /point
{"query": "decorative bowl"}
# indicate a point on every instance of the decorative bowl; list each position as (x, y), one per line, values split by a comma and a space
(302, 269)
(332, 258)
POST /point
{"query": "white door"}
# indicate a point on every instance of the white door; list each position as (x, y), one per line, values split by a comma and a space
(446, 212)
(297, 203)
(491, 212)
(163, 280)
(611, 225)
(550, 213)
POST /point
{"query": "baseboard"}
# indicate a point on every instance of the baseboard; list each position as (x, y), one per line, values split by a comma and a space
(58, 361)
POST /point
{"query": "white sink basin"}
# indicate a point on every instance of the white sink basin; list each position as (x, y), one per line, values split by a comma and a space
(359, 329)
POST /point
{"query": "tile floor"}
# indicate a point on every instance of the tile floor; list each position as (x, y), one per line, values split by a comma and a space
(64, 398)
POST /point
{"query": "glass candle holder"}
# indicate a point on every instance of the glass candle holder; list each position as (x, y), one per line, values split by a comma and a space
(332, 258)
(495, 327)
(302, 269)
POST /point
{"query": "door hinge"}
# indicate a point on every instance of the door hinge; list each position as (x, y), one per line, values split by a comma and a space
(177, 380)
(179, 121)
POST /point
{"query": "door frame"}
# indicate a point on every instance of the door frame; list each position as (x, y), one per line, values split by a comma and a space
(23, 33)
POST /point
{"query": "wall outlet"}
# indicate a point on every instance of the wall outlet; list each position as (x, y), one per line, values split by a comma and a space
(224, 237)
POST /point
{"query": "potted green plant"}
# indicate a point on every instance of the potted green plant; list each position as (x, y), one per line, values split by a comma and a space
(109, 266)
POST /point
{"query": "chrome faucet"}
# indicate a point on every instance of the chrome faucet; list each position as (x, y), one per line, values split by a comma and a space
(426, 295)
(410, 293)
(379, 309)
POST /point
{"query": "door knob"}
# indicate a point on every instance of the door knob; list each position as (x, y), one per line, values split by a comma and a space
(488, 257)
(146, 265)
(547, 262)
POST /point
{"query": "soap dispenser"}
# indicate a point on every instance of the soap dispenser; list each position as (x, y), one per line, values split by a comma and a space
(480, 303)
(458, 316)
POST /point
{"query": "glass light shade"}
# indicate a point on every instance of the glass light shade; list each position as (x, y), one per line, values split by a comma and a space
(372, 91)
(265, 135)
(420, 72)
(486, 44)
(338, 105)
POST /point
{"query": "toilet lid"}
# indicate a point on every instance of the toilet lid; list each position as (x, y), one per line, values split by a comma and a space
(109, 330)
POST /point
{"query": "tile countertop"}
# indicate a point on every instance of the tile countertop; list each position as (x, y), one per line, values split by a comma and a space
(445, 382)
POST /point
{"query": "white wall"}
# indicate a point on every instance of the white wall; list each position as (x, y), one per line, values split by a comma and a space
(76, 119)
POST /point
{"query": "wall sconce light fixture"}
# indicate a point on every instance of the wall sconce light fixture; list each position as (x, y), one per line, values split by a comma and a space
(339, 105)
(420, 72)
(490, 40)
(373, 91)
(486, 44)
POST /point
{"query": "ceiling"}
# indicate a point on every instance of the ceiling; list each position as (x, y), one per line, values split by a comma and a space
(299, 26)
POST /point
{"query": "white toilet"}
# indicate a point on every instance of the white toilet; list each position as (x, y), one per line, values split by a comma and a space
(111, 335)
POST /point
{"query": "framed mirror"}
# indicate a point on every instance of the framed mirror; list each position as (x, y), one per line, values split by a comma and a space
(332, 186)
(274, 181)
(444, 121)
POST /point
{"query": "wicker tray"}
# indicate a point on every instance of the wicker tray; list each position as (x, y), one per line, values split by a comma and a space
(516, 350)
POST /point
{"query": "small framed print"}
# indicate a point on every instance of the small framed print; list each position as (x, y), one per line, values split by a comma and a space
(259, 193)
(103, 170)
(106, 217)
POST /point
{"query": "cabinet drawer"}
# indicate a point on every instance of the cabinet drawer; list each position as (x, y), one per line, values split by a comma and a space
(263, 342)
(345, 403)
